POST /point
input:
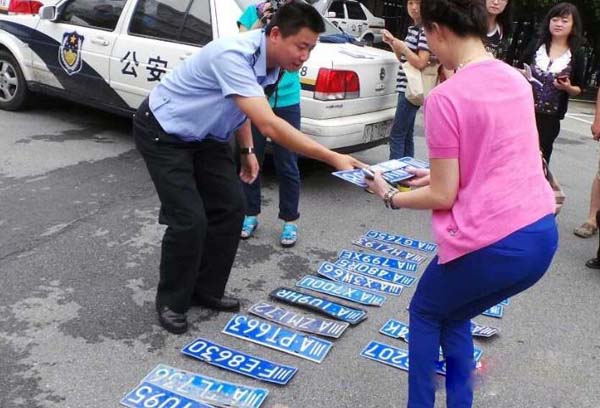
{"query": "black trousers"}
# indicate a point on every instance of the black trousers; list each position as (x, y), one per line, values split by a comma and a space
(202, 205)
(548, 127)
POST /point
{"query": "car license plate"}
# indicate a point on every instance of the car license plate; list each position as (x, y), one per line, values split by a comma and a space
(478, 330)
(205, 389)
(377, 272)
(412, 162)
(150, 395)
(367, 243)
(376, 260)
(394, 328)
(341, 290)
(238, 362)
(376, 131)
(505, 302)
(395, 356)
(495, 311)
(317, 304)
(330, 271)
(278, 338)
(402, 241)
(307, 324)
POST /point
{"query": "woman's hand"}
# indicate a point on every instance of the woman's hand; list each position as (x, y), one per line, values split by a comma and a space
(377, 184)
(421, 178)
(387, 37)
(563, 83)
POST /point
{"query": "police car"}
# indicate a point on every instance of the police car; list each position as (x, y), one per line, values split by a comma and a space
(110, 53)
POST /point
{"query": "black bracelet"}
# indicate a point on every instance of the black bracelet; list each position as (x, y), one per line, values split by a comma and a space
(246, 150)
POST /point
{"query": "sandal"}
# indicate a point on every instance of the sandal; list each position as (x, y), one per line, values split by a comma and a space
(593, 263)
(585, 230)
(250, 225)
(289, 235)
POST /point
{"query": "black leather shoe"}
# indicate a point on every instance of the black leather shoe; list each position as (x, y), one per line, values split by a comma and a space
(224, 304)
(171, 321)
(593, 263)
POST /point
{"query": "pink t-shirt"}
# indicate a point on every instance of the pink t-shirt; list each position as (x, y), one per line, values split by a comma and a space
(484, 117)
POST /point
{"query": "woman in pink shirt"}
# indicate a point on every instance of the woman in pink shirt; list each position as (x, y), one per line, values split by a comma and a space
(492, 208)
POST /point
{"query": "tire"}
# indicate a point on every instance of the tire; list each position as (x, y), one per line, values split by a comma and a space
(368, 40)
(13, 88)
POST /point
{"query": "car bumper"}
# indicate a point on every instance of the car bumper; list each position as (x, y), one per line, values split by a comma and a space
(350, 133)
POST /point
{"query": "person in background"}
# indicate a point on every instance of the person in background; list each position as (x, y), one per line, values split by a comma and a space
(285, 103)
(590, 227)
(557, 65)
(182, 130)
(415, 51)
(493, 210)
(499, 13)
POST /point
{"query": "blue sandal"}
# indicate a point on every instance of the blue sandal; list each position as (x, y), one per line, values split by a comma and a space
(250, 225)
(289, 235)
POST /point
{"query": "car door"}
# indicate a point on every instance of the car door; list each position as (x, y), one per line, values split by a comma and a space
(160, 35)
(337, 14)
(357, 19)
(73, 52)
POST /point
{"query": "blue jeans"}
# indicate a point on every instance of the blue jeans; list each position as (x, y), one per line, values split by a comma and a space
(402, 142)
(449, 295)
(286, 166)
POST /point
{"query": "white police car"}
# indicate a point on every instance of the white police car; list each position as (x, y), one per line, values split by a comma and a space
(353, 18)
(110, 53)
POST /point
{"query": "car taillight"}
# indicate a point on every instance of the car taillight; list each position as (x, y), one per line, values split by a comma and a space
(336, 84)
(24, 6)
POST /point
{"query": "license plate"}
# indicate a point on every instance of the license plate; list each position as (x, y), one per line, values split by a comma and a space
(341, 290)
(377, 260)
(495, 311)
(394, 356)
(411, 161)
(278, 338)
(377, 272)
(330, 271)
(367, 243)
(317, 304)
(376, 131)
(238, 362)
(478, 330)
(402, 241)
(505, 302)
(149, 395)
(396, 176)
(211, 391)
(394, 328)
(303, 323)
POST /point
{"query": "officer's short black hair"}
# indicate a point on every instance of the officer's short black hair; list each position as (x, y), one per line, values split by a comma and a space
(294, 16)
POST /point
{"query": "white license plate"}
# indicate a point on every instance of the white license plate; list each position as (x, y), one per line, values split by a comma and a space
(376, 131)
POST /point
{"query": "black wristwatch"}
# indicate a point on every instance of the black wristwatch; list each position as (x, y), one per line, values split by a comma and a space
(246, 150)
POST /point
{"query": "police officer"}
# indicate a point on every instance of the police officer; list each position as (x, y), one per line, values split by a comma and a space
(182, 130)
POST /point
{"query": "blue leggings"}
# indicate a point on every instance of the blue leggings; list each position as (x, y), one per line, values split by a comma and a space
(449, 295)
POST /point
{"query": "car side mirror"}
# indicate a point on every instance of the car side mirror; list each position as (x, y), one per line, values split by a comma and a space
(48, 13)
(331, 14)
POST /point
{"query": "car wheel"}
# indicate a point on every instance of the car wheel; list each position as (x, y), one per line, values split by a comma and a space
(13, 88)
(368, 40)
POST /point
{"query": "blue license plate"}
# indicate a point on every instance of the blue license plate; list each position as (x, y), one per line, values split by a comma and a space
(341, 290)
(495, 311)
(149, 395)
(505, 302)
(376, 260)
(330, 271)
(238, 362)
(394, 328)
(303, 323)
(205, 389)
(388, 250)
(402, 241)
(278, 338)
(377, 272)
(479, 330)
(320, 305)
(396, 357)
(412, 162)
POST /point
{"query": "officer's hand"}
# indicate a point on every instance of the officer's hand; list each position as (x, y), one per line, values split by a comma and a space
(249, 168)
(346, 162)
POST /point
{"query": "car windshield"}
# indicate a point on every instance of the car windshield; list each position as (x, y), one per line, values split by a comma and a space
(329, 27)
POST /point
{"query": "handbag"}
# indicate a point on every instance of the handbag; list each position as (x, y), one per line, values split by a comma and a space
(420, 82)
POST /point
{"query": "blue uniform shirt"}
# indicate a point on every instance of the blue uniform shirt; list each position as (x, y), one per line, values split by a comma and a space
(195, 102)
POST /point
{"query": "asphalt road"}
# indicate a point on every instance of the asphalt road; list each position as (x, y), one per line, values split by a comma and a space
(79, 253)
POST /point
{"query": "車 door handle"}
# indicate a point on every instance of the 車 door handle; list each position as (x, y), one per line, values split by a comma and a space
(100, 41)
